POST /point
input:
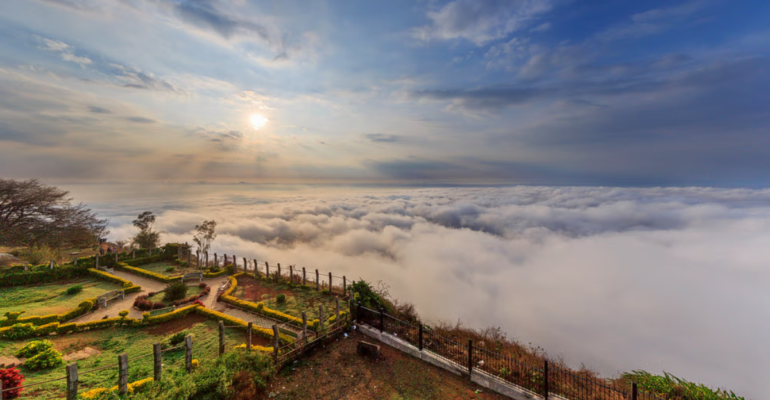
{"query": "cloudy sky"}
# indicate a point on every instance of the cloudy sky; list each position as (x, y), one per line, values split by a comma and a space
(560, 92)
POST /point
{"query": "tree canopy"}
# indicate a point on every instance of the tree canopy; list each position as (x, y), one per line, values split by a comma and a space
(146, 238)
(33, 214)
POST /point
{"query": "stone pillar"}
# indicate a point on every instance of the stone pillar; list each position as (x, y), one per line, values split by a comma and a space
(221, 337)
(188, 353)
(304, 324)
(317, 281)
(72, 381)
(157, 361)
(248, 336)
(123, 374)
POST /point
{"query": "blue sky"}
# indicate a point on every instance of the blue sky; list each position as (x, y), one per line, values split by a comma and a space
(419, 92)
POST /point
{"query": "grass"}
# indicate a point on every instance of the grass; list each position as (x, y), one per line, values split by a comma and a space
(298, 299)
(112, 342)
(51, 298)
(160, 268)
(158, 297)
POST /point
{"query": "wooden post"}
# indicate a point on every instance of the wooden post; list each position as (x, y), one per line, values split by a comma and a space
(278, 277)
(245, 265)
(235, 263)
(304, 277)
(116, 256)
(123, 374)
(276, 341)
(338, 310)
(330, 282)
(216, 260)
(382, 321)
(97, 262)
(317, 281)
(188, 353)
(304, 324)
(320, 317)
(158, 361)
(207, 259)
(634, 391)
(224, 263)
(248, 335)
(291, 277)
(344, 285)
(72, 381)
(256, 269)
(221, 337)
(267, 270)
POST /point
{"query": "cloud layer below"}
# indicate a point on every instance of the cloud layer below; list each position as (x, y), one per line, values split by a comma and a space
(660, 279)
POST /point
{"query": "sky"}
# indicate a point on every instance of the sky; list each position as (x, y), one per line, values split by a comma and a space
(544, 92)
(616, 279)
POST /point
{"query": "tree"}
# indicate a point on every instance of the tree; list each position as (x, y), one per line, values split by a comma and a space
(146, 238)
(34, 215)
(205, 233)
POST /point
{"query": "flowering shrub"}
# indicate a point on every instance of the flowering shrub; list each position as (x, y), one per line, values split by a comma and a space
(45, 359)
(34, 347)
(123, 313)
(11, 378)
(195, 363)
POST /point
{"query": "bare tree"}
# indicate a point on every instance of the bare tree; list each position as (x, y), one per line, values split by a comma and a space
(205, 233)
(146, 238)
(33, 214)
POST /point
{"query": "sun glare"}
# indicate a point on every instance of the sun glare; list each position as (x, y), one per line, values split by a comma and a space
(257, 121)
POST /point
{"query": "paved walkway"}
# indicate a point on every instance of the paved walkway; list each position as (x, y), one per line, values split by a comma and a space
(150, 285)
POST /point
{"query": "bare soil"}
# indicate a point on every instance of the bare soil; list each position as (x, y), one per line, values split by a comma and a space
(253, 291)
(176, 325)
(336, 371)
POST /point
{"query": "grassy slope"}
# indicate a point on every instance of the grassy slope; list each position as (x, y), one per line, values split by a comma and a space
(112, 342)
(50, 298)
(191, 291)
(160, 268)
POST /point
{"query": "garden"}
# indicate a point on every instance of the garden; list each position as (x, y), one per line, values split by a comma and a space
(168, 268)
(52, 298)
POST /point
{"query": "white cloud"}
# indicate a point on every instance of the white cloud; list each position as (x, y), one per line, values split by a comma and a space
(618, 279)
(480, 21)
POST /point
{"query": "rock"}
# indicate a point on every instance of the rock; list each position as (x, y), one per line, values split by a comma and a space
(10, 361)
(368, 349)
(82, 354)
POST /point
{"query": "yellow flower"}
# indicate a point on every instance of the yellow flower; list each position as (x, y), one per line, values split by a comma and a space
(195, 363)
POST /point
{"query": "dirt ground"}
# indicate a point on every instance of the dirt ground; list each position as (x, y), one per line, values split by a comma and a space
(338, 372)
(253, 291)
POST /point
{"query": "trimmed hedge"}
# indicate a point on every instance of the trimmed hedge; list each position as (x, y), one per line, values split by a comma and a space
(112, 278)
(178, 313)
(260, 331)
(255, 347)
(209, 274)
(40, 274)
(148, 274)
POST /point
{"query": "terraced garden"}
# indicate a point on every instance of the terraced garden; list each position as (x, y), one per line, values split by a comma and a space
(298, 298)
(51, 298)
(192, 290)
(168, 268)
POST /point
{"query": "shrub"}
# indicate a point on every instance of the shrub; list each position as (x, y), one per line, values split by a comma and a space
(175, 291)
(177, 338)
(20, 331)
(281, 298)
(214, 269)
(34, 347)
(12, 379)
(74, 290)
(44, 360)
(230, 269)
(195, 363)
(66, 328)
(13, 315)
(363, 293)
(202, 285)
(169, 269)
(123, 313)
(38, 255)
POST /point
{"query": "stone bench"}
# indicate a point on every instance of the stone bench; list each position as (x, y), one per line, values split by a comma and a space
(111, 295)
(368, 349)
(193, 275)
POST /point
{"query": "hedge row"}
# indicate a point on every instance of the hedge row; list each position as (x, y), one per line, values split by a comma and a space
(42, 274)
(128, 286)
(258, 330)
(159, 319)
(255, 347)
(209, 274)
(13, 319)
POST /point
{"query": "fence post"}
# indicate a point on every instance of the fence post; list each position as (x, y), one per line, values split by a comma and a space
(188, 353)
(304, 324)
(344, 285)
(248, 339)
(216, 260)
(276, 342)
(317, 281)
(304, 277)
(235, 263)
(267, 271)
(278, 277)
(123, 373)
(72, 381)
(245, 265)
(291, 274)
(320, 317)
(470, 358)
(330, 283)
(420, 337)
(382, 321)
(337, 320)
(221, 337)
(116, 256)
(256, 269)
(545, 379)
(207, 259)
(634, 391)
(157, 361)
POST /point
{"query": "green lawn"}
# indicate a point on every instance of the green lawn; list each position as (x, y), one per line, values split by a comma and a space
(112, 342)
(161, 267)
(50, 298)
(298, 299)
(191, 291)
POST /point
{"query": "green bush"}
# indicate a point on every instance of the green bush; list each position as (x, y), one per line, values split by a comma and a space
(74, 290)
(169, 269)
(175, 291)
(214, 269)
(281, 298)
(33, 348)
(676, 388)
(19, 331)
(123, 313)
(177, 338)
(38, 255)
(363, 293)
(45, 359)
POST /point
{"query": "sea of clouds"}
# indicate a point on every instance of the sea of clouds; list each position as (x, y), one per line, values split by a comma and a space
(672, 279)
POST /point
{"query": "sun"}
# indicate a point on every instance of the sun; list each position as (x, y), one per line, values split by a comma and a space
(257, 121)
